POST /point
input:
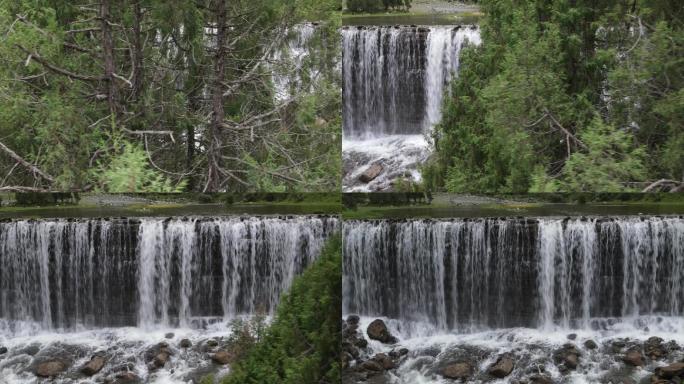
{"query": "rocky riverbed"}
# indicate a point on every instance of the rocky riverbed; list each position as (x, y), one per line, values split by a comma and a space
(374, 351)
(377, 165)
(117, 356)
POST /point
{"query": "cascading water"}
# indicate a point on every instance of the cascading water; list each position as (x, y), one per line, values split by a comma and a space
(394, 80)
(515, 285)
(128, 282)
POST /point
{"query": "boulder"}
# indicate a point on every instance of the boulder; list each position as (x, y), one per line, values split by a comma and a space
(169, 335)
(670, 371)
(568, 356)
(371, 365)
(94, 365)
(502, 367)
(371, 173)
(223, 357)
(353, 320)
(396, 353)
(572, 336)
(50, 368)
(590, 344)
(571, 360)
(3, 350)
(127, 378)
(377, 330)
(654, 348)
(540, 379)
(633, 358)
(458, 371)
(384, 361)
(161, 358)
(185, 343)
(212, 343)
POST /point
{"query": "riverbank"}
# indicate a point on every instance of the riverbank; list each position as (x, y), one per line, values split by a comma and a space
(425, 12)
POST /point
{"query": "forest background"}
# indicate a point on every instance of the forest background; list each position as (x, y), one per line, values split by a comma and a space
(148, 95)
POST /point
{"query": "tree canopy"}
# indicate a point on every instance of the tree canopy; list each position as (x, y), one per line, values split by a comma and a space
(147, 95)
(566, 96)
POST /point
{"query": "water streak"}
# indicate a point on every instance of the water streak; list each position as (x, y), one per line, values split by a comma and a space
(469, 275)
(73, 274)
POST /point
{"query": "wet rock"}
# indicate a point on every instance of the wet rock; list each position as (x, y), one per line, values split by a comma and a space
(502, 367)
(654, 348)
(590, 344)
(161, 358)
(371, 365)
(361, 342)
(212, 343)
(3, 350)
(50, 368)
(633, 358)
(618, 345)
(371, 173)
(384, 361)
(353, 320)
(377, 330)
(185, 343)
(568, 356)
(571, 360)
(30, 350)
(458, 371)
(169, 335)
(396, 353)
(127, 378)
(223, 357)
(94, 365)
(572, 336)
(656, 380)
(670, 371)
(349, 348)
(540, 379)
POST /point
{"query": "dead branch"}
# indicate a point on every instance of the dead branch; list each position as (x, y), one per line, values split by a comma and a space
(142, 133)
(26, 164)
(17, 188)
(34, 55)
(662, 183)
(567, 133)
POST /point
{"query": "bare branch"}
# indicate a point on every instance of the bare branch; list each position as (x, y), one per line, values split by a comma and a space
(57, 69)
(142, 133)
(26, 164)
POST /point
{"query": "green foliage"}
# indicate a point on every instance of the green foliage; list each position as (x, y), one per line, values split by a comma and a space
(302, 343)
(129, 171)
(610, 160)
(551, 75)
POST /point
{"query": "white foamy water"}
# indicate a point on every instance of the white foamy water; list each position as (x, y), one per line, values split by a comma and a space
(429, 347)
(400, 155)
(124, 347)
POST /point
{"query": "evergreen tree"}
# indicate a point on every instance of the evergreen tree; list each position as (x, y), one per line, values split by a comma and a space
(302, 343)
(553, 83)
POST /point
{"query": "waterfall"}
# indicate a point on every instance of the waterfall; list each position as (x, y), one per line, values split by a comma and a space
(547, 273)
(289, 61)
(394, 77)
(68, 274)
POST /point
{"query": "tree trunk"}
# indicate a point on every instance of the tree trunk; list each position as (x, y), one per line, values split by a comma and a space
(108, 55)
(138, 71)
(217, 88)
